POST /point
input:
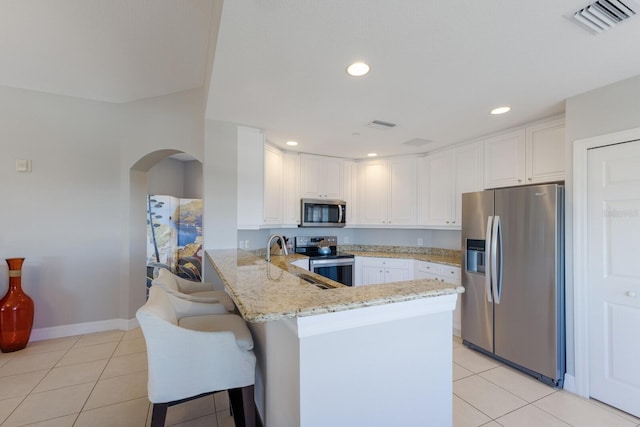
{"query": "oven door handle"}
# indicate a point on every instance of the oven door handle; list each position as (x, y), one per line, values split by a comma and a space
(330, 262)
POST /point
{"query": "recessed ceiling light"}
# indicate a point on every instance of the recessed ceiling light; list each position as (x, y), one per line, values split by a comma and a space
(358, 69)
(500, 110)
(292, 143)
(372, 154)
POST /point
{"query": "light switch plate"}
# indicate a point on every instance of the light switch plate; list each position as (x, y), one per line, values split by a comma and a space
(23, 165)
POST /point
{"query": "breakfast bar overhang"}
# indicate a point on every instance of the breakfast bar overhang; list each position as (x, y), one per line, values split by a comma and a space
(375, 355)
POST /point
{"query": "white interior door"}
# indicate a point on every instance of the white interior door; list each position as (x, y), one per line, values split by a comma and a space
(614, 274)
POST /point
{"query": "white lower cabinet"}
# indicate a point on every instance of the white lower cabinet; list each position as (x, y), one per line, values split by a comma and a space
(384, 270)
(443, 273)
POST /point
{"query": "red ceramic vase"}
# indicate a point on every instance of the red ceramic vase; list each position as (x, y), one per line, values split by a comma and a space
(16, 311)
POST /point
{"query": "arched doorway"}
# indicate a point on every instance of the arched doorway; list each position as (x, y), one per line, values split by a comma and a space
(137, 221)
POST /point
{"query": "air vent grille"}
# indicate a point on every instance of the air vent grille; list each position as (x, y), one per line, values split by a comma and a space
(379, 124)
(604, 14)
(417, 142)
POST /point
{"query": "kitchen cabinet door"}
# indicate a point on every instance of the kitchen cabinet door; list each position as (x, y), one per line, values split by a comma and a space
(291, 189)
(403, 191)
(372, 190)
(467, 177)
(396, 275)
(350, 190)
(321, 177)
(372, 275)
(384, 270)
(387, 192)
(545, 152)
(273, 185)
(530, 155)
(437, 189)
(504, 160)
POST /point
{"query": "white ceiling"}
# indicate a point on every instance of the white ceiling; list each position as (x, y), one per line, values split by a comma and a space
(437, 68)
(107, 50)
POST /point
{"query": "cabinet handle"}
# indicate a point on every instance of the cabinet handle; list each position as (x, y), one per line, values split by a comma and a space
(519, 180)
(631, 294)
(530, 179)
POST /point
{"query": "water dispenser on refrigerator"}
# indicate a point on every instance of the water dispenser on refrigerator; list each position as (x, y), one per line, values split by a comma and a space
(475, 256)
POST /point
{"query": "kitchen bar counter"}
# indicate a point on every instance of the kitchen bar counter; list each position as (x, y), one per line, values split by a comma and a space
(368, 355)
(271, 291)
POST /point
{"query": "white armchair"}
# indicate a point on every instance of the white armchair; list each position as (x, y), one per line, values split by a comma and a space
(193, 355)
(192, 291)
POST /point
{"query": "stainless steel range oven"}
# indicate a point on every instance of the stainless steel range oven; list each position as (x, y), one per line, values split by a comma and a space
(329, 262)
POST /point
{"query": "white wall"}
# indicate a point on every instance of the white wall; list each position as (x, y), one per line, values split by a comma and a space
(192, 180)
(171, 177)
(71, 217)
(167, 178)
(602, 111)
(63, 217)
(444, 239)
(220, 177)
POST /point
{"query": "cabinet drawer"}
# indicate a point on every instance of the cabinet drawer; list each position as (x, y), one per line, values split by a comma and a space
(429, 267)
(451, 274)
(385, 262)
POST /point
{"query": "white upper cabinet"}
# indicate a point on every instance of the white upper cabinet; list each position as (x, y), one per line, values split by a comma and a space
(291, 189)
(403, 191)
(437, 189)
(504, 160)
(530, 155)
(387, 192)
(320, 177)
(350, 190)
(467, 175)
(273, 185)
(444, 177)
(545, 152)
(372, 192)
(250, 190)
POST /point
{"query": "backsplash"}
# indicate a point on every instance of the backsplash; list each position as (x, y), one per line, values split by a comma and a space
(401, 250)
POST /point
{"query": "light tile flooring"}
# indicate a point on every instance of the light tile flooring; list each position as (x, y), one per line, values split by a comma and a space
(100, 380)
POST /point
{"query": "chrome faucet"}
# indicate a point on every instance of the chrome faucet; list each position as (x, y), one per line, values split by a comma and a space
(282, 242)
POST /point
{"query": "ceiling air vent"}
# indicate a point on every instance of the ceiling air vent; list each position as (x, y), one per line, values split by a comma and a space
(417, 142)
(379, 124)
(604, 14)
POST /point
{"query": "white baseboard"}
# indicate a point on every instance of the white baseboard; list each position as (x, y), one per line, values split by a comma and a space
(83, 328)
(570, 383)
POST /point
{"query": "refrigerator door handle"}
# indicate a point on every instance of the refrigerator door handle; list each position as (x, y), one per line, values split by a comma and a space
(487, 275)
(496, 259)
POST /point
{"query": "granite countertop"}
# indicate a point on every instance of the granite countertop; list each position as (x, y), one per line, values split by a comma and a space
(447, 257)
(271, 291)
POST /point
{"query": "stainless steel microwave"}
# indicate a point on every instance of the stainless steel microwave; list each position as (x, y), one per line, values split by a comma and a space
(323, 213)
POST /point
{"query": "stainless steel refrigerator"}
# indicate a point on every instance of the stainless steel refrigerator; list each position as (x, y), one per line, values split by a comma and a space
(513, 274)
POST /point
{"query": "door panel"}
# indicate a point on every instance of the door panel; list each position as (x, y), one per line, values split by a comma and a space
(528, 325)
(477, 312)
(613, 227)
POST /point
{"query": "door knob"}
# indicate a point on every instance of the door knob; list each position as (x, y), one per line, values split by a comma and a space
(631, 294)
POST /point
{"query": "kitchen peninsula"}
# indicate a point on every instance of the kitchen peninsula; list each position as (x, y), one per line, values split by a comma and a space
(335, 355)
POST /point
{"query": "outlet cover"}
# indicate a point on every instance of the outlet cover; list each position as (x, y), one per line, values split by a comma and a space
(420, 242)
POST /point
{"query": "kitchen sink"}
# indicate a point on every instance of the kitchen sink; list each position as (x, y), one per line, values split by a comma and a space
(314, 281)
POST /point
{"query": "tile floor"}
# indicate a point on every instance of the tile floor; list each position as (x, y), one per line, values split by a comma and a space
(100, 380)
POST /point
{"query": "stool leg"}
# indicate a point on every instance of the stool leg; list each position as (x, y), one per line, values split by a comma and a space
(243, 406)
(249, 406)
(159, 414)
